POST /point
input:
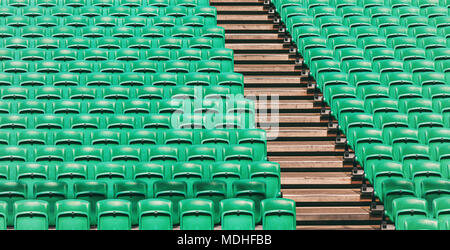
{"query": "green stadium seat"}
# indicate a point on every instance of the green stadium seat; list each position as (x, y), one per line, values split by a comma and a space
(278, 214)
(440, 209)
(214, 191)
(407, 208)
(91, 191)
(196, 214)
(394, 188)
(10, 192)
(132, 191)
(3, 215)
(173, 191)
(155, 214)
(72, 214)
(237, 214)
(114, 214)
(31, 215)
(51, 192)
(420, 224)
(253, 190)
(433, 188)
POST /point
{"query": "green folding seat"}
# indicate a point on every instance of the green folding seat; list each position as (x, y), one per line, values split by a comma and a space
(358, 136)
(352, 10)
(352, 66)
(393, 135)
(157, 121)
(325, 66)
(85, 121)
(32, 31)
(50, 191)
(196, 214)
(400, 42)
(278, 214)
(394, 188)
(109, 173)
(155, 214)
(31, 107)
(114, 214)
(70, 173)
(314, 3)
(405, 91)
(408, 106)
(12, 153)
(214, 191)
(237, 214)
(10, 192)
(433, 188)
(372, 152)
(15, 67)
(253, 190)
(335, 31)
(72, 214)
(269, 173)
(13, 121)
(32, 137)
(377, 171)
(444, 3)
(420, 170)
(435, 136)
(313, 42)
(31, 215)
(440, 209)
(422, 31)
(420, 224)
(32, 79)
(357, 20)
(176, 11)
(189, 3)
(233, 80)
(173, 191)
(349, 54)
(285, 4)
(353, 120)
(443, 66)
(227, 172)
(133, 191)
(3, 215)
(326, 79)
(314, 54)
(301, 32)
(419, 65)
(6, 54)
(440, 21)
(188, 173)
(359, 79)
(159, 3)
(407, 54)
(407, 208)
(31, 173)
(438, 53)
(91, 191)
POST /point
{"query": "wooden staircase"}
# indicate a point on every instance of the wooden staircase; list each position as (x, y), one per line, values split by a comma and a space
(314, 171)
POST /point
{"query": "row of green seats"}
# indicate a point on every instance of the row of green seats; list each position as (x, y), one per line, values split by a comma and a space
(400, 194)
(149, 121)
(147, 172)
(48, 38)
(105, 3)
(133, 106)
(152, 214)
(135, 22)
(126, 54)
(208, 40)
(137, 136)
(116, 11)
(169, 152)
(108, 186)
(118, 66)
(94, 83)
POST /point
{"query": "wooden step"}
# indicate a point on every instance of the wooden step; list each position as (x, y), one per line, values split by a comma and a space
(344, 213)
(301, 146)
(260, 57)
(324, 195)
(266, 68)
(308, 162)
(281, 104)
(237, 8)
(293, 118)
(277, 92)
(252, 36)
(255, 46)
(248, 26)
(273, 134)
(338, 227)
(256, 79)
(316, 178)
(234, 17)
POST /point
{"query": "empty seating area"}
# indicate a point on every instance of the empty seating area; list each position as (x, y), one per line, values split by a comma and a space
(383, 67)
(127, 114)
